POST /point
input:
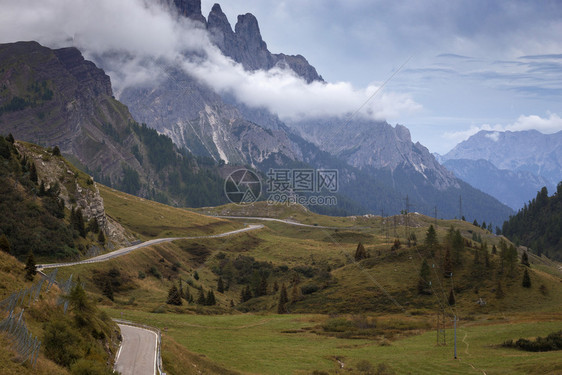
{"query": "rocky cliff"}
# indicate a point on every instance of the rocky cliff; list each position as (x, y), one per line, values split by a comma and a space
(55, 97)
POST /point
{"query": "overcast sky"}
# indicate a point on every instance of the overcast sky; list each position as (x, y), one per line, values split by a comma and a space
(469, 65)
(474, 65)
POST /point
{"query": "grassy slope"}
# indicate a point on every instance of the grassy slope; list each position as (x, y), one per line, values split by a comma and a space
(284, 344)
(260, 343)
(12, 280)
(150, 219)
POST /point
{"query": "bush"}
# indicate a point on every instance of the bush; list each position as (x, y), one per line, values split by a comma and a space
(541, 344)
(62, 343)
(309, 289)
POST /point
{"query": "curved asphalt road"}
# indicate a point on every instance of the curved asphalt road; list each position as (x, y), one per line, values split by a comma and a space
(137, 354)
(126, 250)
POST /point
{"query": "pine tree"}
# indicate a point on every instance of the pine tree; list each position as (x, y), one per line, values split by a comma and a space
(180, 288)
(423, 281)
(196, 275)
(525, 259)
(101, 237)
(499, 291)
(283, 300)
(447, 264)
(10, 138)
(33, 173)
(431, 243)
(5, 244)
(360, 252)
(526, 279)
(210, 300)
(220, 285)
(30, 268)
(494, 250)
(174, 297)
(56, 151)
(201, 297)
(296, 293)
(451, 298)
(262, 289)
(108, 289)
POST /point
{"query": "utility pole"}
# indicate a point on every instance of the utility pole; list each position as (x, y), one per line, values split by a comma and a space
(460, 207)
(435, 215)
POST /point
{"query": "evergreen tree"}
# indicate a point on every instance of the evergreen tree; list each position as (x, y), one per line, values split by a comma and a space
(10, 138)
(423, 281)
(360, 252)
(275, 287)
(5, 244)
(526, 279)
(174, 297)
(475, 223)
(245, 294)
(30, 268)
(196, 275)
(451, 298)
(525, 259)
(494, 250)
(499, 290)
(210, 300)
(33, 173)
(431, 243)
(56, 151)
(262, 288)
(283, 300)
(220, 285)
(296, 294)
(458, 247)
(447, 264)
(201, 297)
(108, 289)
(180, 288)
(101, 237)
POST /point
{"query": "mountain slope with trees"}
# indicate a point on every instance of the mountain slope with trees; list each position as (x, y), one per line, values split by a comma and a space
(538, 224)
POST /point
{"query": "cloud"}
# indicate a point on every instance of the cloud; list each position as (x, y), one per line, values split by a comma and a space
(493, 136)
(547, 125)
(137, 41)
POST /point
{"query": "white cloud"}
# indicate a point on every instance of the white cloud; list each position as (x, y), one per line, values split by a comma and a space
(546, 125)
(147, 38)
(493, 136)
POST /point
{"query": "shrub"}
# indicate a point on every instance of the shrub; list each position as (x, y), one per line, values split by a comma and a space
(62, 343)
(309, 289)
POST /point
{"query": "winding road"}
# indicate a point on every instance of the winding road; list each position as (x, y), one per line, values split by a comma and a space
(126, 250)
(138, 352)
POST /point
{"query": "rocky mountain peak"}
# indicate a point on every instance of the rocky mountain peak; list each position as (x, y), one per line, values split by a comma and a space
(246, 46)
(219, 29)
(190, 9)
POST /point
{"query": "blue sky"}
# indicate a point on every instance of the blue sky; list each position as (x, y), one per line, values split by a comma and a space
(473, 64)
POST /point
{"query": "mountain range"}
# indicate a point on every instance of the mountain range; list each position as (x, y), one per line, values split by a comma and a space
(511, 166)
(380, 168)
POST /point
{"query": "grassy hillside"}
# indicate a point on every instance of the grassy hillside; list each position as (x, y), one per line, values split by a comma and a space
(363, 310)
(340, 309)
(149, 219)
(76, 339)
